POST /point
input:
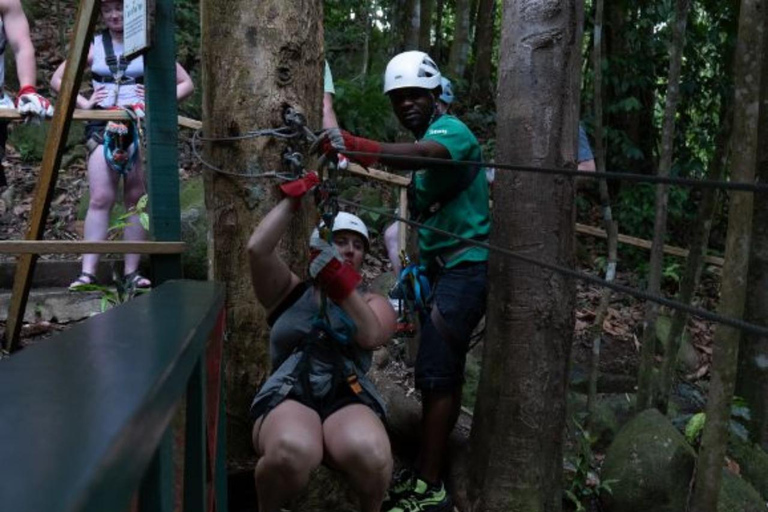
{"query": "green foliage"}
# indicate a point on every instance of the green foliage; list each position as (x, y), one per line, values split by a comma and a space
(738, 424)
(29, 140)
(584, 485)
(363, 109)
(123, 221)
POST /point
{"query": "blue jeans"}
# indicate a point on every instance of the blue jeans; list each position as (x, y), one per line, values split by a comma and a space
(460, 296)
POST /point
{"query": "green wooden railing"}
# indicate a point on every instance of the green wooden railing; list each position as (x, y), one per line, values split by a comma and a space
(86, 417)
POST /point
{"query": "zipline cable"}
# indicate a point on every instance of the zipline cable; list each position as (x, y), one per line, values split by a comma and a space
(611, 176)
(639, 294)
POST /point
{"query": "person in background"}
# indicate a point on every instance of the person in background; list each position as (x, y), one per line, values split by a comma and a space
(114, 146)
(14, 31)
(586, 160)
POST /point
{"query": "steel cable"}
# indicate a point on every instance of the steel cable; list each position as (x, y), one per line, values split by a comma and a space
(639, 294)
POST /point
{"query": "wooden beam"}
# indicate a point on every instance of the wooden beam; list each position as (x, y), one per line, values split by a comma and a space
(645, 244)
(83, 247)
(377, 175)
(49, 170)
(103, 115)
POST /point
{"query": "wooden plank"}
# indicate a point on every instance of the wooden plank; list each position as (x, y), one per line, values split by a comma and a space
(102, 398)
(104, 115)
(84, 247)
(377, 175)
(162, 141)
(49, 170)
(402, 233)
(645, 244)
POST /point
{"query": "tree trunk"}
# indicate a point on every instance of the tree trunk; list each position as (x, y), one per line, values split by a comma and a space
(516, 439)
(425, 28)
(413, 27)
(254, 64)
(482, 89)
(638, 125)
(437, 50)
(363, 17)
(646, 386)
(747, 78)
(610, 225)
(753, 361)
(698, 250)
(457, 62)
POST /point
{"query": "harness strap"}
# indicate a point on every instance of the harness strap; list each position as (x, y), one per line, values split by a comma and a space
(117, 65)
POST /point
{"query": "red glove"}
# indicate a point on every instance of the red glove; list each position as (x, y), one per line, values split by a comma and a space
(353, 143)
(335, 277)
(28, 102)
(298, 188)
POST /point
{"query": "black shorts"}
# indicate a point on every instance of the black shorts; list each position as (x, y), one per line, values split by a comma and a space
(460, 295)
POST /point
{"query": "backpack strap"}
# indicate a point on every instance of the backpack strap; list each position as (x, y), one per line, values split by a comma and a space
(464, 182)
(117, 65)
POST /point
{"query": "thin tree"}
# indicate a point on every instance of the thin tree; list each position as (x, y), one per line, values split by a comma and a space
(610, 225)
(413, 27)
(697, 251)
(437, 50)
(646, 383)
(752, 381)
(457, 62)
(254, 65)
(747, 79)
(425, 29)
(516, 440)
(482, 88)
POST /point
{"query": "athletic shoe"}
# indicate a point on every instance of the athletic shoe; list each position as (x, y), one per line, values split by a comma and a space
(424, 498)
(402, 483)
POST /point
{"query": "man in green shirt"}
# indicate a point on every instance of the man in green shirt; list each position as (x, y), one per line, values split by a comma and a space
(454, 199)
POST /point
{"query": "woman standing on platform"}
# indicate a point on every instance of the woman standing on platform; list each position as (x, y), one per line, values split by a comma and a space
(114, 147)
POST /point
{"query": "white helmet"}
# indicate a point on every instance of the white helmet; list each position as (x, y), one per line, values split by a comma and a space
(345, 221)
(411, 69)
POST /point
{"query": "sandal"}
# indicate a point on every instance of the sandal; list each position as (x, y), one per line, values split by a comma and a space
(84, 279)
(136, 281)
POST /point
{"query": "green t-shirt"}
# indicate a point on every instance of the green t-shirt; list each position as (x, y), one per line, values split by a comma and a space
(467, 215)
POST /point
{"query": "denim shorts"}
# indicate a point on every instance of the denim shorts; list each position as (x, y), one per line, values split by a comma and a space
(460, 296)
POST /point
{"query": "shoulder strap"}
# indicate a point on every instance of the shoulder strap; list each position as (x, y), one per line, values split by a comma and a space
(466, 179)
(116, 66)
(289, 301)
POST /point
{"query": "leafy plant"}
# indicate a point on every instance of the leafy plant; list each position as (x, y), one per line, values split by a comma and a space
(585, 485)
(737, 425)
(139, 209)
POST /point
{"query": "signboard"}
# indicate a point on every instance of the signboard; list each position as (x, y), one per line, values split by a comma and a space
(135, 27)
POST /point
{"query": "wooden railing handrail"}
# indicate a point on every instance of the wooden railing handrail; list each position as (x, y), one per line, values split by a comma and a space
(88, 247)
(84, 413)
(102, 115)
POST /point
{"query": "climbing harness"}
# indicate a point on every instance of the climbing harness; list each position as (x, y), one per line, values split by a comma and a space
(121, 143)
(414, 286)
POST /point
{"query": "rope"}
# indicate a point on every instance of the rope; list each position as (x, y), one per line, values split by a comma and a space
(196, 137)
(612, 176)
(639, 294)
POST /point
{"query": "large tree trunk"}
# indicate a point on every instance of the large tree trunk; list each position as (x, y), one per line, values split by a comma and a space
(646, 385)
(747, 78)
(254, 64)
(482, 88)
(425, 29)
(698, 250)
(516, 438)
(457, 61)
(753, 361)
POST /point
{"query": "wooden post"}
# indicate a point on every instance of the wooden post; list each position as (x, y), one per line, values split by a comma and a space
(162, 142)
(49, 170)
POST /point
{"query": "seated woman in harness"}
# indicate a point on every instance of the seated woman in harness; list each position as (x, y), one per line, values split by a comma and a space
(318, 406)
(114, 146)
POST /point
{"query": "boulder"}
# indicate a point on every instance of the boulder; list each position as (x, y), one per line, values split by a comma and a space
(650, 464)
(736, 495)
(753, 462)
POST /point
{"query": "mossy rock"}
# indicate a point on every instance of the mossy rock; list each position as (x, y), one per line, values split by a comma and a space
(651, 465)
(736, 495)
(753, 462)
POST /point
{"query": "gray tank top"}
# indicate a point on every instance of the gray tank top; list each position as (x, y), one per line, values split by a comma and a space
(290, 329)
